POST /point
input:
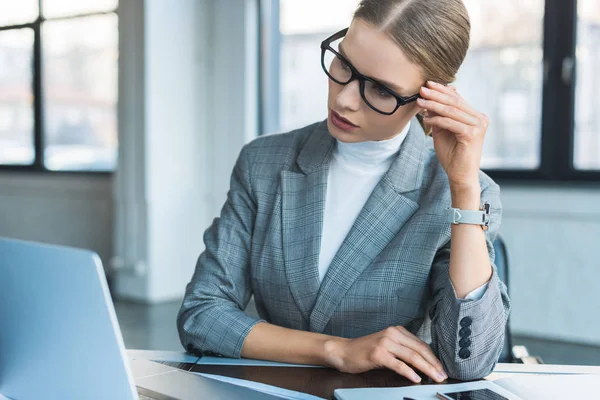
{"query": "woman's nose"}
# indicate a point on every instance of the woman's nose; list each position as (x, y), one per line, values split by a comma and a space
(349, 96)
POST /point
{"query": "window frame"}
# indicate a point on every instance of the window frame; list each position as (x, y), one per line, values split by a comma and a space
(557, 150)
(37, 92)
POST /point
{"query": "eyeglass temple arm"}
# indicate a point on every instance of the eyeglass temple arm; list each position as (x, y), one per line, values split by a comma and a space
(338, 35)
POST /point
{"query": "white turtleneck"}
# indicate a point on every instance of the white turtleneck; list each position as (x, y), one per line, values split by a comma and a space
(355, 170)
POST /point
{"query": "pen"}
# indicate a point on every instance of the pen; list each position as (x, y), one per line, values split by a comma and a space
(408, 398)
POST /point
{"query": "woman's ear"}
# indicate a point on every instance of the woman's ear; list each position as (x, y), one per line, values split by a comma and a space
(420, 114)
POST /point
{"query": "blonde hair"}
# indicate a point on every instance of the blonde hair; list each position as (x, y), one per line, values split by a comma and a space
(433, 34)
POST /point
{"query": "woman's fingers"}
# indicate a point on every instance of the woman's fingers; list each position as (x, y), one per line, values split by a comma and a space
(387, 360)
(449, 89)
(439, 104)
(448, 95)
(451, 125)
(407, 339)
(416, 360)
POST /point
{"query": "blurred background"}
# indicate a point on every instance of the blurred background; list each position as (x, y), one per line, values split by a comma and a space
(120, 122)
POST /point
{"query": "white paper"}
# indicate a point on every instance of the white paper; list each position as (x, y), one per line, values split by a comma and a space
(419, 392)
(553, 386)
(261, 387)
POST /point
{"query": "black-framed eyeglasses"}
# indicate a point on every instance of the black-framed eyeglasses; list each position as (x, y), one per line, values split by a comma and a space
(375, 94)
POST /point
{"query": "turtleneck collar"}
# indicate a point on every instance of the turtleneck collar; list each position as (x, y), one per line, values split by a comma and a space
(373, 157)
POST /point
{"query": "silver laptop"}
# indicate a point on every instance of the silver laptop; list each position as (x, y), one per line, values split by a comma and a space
(60, 338)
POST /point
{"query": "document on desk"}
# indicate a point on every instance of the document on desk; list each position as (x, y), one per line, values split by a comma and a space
(529, 387)
(261, 387)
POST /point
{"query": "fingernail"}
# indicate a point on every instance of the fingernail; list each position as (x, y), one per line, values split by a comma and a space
(416, 378)
(441, 376)
(426, 90)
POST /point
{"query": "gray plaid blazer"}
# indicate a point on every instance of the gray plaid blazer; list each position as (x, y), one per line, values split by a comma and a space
(391, 269)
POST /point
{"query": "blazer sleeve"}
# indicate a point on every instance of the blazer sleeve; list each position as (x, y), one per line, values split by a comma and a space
(468, 335)
(211, 318)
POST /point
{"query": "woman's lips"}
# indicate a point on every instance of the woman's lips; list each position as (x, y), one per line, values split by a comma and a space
(341, 122)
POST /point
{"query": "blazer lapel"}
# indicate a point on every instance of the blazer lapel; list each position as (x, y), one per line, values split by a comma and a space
(303, 203)
(392, 203)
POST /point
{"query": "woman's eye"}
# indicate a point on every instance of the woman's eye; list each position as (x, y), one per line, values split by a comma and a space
(343, 64)
(381, 91)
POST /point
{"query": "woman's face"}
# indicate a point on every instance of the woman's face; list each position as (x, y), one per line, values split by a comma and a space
(377, 56)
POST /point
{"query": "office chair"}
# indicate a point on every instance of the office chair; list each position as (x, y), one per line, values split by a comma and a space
(510, 353)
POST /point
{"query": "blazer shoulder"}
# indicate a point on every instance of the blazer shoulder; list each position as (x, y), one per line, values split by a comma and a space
(277, 150)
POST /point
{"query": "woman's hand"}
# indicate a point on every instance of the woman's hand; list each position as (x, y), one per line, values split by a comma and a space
(394, 348)
(457, 130)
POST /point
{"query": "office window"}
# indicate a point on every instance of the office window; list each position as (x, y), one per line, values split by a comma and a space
(58, 86)
(518, 71)
(587, 100)
(16, 97)
(502, 77)
(80, 93)
(18, 12)
(66, 8)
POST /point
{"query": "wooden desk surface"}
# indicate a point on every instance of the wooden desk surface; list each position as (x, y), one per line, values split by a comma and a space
(320, 382)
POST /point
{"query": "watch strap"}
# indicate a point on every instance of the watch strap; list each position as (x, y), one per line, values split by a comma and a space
(458, 216)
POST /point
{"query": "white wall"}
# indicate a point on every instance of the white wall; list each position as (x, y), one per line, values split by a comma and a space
(182, 126)
(553, 239)
(176, 143)
(72, 210)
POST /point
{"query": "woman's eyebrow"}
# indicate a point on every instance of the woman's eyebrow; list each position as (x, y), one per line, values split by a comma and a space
(390, 85)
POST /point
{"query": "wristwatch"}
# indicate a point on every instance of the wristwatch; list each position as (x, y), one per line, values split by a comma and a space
(482, 217)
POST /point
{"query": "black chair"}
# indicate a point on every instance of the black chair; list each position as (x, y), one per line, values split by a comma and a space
(502, 267)
(510, 354)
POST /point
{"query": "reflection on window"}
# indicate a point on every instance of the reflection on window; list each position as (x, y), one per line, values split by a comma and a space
(16, 98)
(587, 102)
(62, 8)
(502, 77)
(16, 12)
(80, 93)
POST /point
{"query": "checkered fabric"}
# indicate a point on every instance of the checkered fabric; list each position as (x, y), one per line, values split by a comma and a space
(391, 269)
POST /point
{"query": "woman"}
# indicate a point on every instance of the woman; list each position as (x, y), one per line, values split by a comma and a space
(340, 229)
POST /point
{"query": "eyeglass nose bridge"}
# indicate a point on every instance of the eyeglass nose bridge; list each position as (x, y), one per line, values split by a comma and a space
(361, 84)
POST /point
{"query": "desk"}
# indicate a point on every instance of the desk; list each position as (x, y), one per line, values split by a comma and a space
(320, 381)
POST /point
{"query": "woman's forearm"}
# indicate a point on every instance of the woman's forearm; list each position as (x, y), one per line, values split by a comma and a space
(274, 343)
(470, 265)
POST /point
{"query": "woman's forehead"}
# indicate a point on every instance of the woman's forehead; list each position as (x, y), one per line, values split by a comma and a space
(376, 55)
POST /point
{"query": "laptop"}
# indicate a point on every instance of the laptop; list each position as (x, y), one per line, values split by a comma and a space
(60, 338)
